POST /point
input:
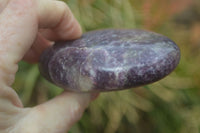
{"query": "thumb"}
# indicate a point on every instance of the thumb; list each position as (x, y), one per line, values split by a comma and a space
(56, 115)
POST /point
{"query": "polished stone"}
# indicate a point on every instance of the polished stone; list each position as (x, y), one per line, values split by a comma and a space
(112, 59)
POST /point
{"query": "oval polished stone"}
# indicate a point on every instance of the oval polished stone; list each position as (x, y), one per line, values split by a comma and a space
(112, 59)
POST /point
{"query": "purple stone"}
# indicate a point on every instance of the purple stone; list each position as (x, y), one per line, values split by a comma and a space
(106, 60)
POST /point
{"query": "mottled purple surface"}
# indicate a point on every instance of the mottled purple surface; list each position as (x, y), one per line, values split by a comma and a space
(106, 60)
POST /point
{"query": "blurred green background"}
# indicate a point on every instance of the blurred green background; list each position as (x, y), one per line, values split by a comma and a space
(171, 105)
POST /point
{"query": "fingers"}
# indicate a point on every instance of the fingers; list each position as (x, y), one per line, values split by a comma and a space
(58, 19)
(59, 114)
(18, 36)
(19, 23)
(18, 27)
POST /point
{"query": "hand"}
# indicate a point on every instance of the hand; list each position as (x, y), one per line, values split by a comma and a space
(27, 27)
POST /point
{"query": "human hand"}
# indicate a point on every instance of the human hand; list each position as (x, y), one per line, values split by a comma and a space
(27, 27)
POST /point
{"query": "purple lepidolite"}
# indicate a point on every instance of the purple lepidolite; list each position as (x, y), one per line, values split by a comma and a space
(112, 59)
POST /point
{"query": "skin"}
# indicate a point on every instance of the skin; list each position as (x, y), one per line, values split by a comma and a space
(27, 27)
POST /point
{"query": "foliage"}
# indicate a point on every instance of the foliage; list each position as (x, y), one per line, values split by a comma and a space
(171, 105)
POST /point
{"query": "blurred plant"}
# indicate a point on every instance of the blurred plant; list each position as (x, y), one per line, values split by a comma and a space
(171, 105)
(156, 13)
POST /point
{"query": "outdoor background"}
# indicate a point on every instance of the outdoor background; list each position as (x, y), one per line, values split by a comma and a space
(171, 105)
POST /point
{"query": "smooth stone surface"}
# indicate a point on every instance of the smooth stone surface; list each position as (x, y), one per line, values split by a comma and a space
(106, 60)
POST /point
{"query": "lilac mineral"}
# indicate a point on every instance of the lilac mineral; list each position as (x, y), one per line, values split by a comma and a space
(106, 60)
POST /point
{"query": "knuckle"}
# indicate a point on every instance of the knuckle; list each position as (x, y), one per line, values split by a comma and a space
(62, 6)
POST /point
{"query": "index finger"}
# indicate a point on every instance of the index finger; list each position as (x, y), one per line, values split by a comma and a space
(58, 19)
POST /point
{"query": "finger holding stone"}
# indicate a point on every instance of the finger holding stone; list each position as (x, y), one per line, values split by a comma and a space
(58, 114)
(18, 36)
(59, 23)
